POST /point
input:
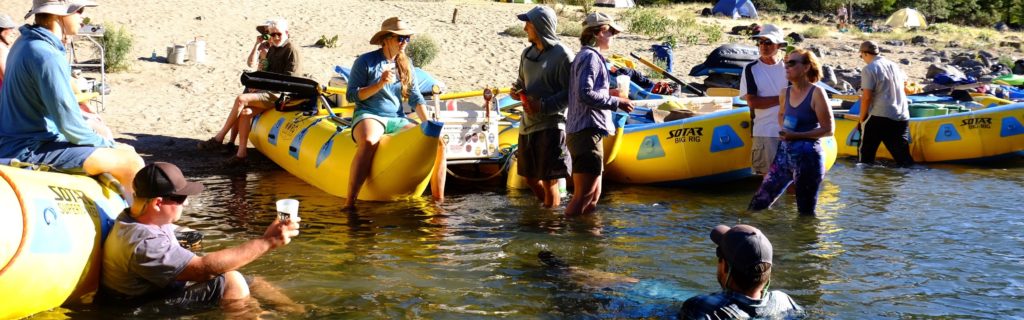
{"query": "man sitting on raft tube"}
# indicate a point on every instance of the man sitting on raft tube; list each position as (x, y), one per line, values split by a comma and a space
(380, 81)
(40, 121)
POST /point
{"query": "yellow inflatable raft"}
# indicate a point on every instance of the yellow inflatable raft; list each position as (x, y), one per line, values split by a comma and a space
(319, 150)
(709, 148)
(984, 135)
(51, 229)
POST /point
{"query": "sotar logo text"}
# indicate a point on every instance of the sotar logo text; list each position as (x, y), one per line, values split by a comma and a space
(686, 134)
(975, 123)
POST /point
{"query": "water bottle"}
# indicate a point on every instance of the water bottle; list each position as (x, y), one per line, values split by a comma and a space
(152, 57)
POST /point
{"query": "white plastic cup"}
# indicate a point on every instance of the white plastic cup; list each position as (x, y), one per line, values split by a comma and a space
(287, 209)
(622, 83)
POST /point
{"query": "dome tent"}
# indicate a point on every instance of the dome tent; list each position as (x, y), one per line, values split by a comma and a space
(735, 8)
(906, 18)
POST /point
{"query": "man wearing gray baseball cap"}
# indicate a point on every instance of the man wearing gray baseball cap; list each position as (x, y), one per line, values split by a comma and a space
(744, 272)
(40, 121)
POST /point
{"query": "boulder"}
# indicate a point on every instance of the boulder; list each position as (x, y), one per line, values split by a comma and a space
(707, 12)
(919, 40)
(930, 59)
(828, 75)
(1018, 67)
(884, 50)
(796, 37)
(986, 54)
(953, 44)
(897, 43)
(905, 61)
(818, 51)
(935, 69)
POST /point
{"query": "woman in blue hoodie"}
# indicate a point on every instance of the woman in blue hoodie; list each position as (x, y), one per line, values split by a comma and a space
(40, 120)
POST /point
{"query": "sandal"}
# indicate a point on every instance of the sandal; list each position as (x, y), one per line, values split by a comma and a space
(235, 161)
(209, 145)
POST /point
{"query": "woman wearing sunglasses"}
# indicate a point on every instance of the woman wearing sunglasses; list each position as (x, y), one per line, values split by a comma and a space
(380, 81)
(805, 118)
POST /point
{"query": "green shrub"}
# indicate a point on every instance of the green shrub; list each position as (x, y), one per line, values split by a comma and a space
(422, 50)
(117, 45)
(1006, 61)
(586, 6)
(647, 22)
(712, 33)
(815, 32)
(516, 31)
(327, 42)
(570, 29)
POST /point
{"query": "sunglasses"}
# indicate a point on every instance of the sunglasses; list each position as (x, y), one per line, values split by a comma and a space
(793, 63)
(176, 199)
(403, 39)
(275, 34)
(764, 42)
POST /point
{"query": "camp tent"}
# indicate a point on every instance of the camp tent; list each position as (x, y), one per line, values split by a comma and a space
(735, 8)
(906, 18)
(615, 3)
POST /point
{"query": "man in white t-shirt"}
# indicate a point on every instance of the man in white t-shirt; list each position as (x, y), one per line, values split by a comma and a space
(762, 94)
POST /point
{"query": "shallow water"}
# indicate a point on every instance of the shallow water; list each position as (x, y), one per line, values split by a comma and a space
(938, 241)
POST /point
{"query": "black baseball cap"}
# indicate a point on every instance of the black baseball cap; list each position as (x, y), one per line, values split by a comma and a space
(742, 246)
(161, 179)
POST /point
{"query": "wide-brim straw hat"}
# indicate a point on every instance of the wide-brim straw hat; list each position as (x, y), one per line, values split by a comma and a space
(392, 25)
(58, 7)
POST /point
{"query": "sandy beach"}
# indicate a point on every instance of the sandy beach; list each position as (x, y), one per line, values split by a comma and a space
(163, 109)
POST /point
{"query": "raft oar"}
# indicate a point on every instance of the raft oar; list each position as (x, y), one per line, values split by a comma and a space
(667, 75)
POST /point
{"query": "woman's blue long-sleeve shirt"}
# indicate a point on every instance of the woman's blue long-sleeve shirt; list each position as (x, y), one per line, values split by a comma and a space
(387, 102)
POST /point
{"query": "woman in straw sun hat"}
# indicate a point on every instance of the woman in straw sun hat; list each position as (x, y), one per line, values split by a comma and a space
(380, 82)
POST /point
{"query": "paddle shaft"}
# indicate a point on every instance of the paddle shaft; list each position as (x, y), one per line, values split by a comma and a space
(667, 75)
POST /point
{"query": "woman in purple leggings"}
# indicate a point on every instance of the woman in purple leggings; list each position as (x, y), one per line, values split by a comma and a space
(805, 119)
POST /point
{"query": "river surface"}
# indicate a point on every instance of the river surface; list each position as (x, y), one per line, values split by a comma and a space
(936, 241)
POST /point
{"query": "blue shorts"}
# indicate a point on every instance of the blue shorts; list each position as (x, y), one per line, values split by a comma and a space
(63, 156)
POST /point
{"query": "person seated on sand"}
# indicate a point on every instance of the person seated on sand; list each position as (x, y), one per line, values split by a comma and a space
(144, 263)
(380, 81)
(258, 61)
(282, 58)
(40, 119)
(744, 272)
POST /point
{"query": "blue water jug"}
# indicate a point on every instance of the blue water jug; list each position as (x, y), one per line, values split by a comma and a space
(663, 55)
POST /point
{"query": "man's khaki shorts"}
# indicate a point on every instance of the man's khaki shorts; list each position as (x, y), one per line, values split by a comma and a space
(762, 153)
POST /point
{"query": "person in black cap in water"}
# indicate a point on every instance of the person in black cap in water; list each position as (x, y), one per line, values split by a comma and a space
(143, 262)
(744, 272)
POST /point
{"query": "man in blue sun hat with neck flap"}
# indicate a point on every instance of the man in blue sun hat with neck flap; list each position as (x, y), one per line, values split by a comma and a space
(744, 272)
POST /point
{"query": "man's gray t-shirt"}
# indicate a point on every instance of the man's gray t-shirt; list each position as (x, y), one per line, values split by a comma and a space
(139, 259)
(885, 80)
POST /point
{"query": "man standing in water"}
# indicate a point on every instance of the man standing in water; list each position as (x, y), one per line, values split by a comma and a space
(543, 88)
(760, 84)
(884, 108)
(744, 272)
(143, 262)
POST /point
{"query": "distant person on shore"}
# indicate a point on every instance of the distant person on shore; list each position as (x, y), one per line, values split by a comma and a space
(543, 88)
(760, 84)
(257, 60)
(591, 103)
(282, 58)
(804, 119)
(144, 263)
(842, 16)
(380, 82)
(884, 108)
(744, 272)
(40, 119)
(8, 33)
